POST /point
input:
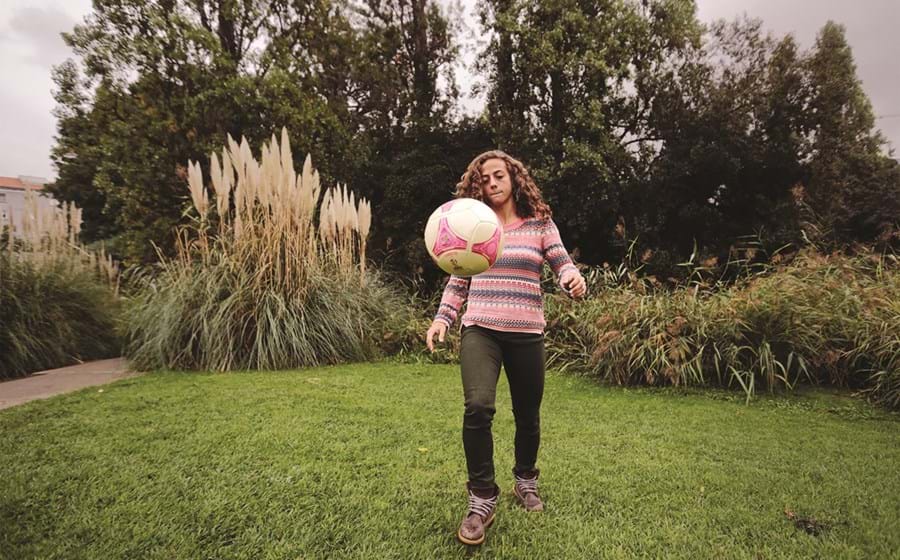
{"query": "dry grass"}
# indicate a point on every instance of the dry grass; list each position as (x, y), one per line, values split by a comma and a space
(58, 300)
(266, 216)
(819, 319)
(267, 277)
(48, 239)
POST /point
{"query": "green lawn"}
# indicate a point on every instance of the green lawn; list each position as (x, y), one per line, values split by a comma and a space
(365, 461)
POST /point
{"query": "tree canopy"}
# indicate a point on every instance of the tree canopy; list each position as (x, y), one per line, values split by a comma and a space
(641, 124)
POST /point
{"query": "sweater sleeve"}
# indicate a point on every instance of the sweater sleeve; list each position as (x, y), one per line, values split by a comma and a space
(455, 294)
(555, 252)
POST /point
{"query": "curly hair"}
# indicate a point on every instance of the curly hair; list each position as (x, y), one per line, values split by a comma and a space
(528, 199)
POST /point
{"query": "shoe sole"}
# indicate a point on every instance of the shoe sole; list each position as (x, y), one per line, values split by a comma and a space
(487, 524)
(521, 500)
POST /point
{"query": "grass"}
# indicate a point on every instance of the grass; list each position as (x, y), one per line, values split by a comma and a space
(58, 299)
(53, 315)
(825, 319)
(365, 461)
(256, 282)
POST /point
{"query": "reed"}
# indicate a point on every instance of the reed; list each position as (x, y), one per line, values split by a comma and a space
(820, 319)
(59, 300)
(270, 274)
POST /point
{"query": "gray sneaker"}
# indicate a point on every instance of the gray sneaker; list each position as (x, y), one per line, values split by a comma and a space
(526, 493)
(479, 517)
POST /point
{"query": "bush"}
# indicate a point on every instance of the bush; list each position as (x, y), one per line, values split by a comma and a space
(52, 317)
(207, 317)
(821, 319)
(58, 302)
(256, 284)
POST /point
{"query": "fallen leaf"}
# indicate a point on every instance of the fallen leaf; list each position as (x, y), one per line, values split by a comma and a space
(811, 525)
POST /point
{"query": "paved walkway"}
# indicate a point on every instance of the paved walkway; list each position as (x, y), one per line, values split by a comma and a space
(52, 382)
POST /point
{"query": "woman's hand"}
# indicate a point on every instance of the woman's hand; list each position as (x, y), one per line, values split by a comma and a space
(573, 282)
(437, 328)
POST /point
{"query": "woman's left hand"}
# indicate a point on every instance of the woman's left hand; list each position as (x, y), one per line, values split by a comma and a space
(574, 283)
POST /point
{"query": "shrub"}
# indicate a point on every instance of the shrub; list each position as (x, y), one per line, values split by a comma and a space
(820, 319)
(256, 283)
(58, 299)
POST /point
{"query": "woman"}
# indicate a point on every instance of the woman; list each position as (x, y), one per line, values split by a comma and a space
(503, 325)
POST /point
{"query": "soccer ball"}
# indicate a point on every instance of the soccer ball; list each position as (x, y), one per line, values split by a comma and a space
(464, 237)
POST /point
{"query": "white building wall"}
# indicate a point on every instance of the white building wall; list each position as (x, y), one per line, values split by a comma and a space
(12, 205)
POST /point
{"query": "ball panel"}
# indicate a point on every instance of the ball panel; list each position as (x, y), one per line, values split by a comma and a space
(463, 222)
(484, 212)
(483, 231)
(447, 239)
(462, 263)
(462, 204)
(430, 236)
(431, 231)
(492, 248)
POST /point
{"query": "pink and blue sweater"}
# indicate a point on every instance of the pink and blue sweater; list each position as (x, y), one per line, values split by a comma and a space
(507, 296)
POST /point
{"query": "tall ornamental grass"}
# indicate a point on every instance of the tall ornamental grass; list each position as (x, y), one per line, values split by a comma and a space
(58, 300)
(268, 276)
(820, 319)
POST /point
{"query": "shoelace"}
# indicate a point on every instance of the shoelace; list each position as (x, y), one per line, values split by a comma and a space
(481, 506)
(527, 485)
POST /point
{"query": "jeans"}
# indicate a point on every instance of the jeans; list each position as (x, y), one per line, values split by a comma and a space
(482, 352)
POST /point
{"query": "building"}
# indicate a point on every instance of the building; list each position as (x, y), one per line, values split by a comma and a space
(12, 198)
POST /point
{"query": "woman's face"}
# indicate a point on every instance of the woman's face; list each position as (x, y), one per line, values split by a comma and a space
(496, 184)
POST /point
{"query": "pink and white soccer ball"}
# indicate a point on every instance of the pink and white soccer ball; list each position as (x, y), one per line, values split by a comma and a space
(464, 237)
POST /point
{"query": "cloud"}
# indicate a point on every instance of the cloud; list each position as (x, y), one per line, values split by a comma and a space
(29, 126)
(38, 30)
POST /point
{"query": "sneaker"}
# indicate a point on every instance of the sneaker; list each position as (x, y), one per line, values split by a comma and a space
(478, 518)
(526, 493)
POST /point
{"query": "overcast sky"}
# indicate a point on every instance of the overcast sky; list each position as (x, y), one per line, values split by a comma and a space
(30, 45)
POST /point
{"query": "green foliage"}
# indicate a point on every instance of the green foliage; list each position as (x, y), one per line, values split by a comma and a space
(633, 117)
(140, 104)
(209, 317)
(832, 320)
(853, 186)
(760, 138)
(629, 114)
(403, 47)
(346, 77)
(257, 282)
(571, 94)
(53, 315)
(730, 122)
(412, 176)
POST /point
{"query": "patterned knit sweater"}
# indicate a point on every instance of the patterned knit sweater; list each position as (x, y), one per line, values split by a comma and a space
(507, 296)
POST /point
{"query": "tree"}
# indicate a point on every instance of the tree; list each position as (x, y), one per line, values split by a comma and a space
(78, 153)
(162, 82)
(416, 153)
(566, 94)
(852, 185)
(729, 119)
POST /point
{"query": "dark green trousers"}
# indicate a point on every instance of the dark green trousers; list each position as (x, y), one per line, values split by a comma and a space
(482, 352)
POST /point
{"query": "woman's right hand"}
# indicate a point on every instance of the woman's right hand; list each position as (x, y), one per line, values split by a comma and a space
(437, 328)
